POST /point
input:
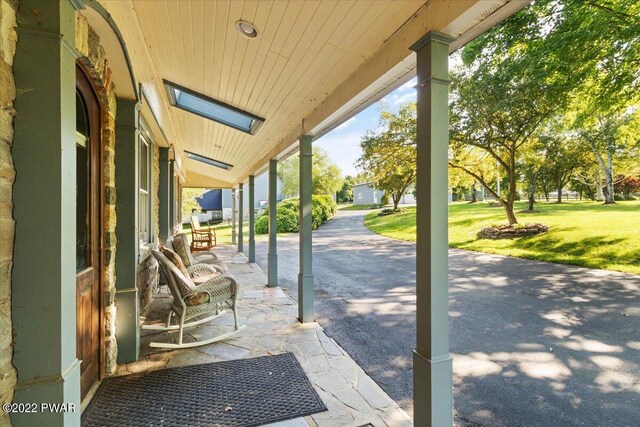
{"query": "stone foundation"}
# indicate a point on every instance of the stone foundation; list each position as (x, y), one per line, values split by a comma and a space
(148, 276)
(512, 231)
(8, 39)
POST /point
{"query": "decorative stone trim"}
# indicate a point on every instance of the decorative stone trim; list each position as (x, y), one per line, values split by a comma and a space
(512, 231)
(95, 62)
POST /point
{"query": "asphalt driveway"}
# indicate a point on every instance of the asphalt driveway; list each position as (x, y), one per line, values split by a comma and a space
(534, 344)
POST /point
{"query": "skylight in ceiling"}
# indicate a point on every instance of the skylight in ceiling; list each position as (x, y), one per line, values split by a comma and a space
(207, 160)
(211, 109)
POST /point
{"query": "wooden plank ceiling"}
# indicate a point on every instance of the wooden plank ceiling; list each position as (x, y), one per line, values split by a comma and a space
(303, 51)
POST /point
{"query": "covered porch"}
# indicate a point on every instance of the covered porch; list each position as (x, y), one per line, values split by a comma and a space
(119, 105)
(351, 396)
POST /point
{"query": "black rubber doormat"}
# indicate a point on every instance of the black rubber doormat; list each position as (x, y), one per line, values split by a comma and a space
(245, 392)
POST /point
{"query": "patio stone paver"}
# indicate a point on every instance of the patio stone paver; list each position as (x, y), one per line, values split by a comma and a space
(352, 397)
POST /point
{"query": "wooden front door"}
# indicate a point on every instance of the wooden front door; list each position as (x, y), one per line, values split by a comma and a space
(88, 208)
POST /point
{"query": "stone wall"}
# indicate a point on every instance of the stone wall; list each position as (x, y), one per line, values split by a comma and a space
(148, 275)
(7, 174)
(95, 63)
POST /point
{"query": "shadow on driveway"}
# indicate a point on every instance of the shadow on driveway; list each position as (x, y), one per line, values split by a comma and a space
(534, 343)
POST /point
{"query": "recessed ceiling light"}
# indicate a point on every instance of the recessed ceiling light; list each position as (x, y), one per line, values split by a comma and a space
(247, 29)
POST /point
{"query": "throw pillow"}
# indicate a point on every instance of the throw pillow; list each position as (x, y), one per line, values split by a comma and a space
(181, 246)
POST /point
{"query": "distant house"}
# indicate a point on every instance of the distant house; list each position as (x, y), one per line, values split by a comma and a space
(216, 200)
(365, 194)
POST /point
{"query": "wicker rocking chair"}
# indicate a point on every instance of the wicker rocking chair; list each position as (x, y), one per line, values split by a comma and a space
(180, 244)
(203, 302)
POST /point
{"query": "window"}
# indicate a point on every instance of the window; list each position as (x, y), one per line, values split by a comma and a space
(144, 200)
(212, 109)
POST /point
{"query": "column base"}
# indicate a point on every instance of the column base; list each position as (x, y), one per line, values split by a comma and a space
(432, 390)
(272, 270)
(252, 251)
(305, 298)
(127, 325)
(63, 388)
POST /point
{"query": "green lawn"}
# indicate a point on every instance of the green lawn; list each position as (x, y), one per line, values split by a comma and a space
(588, 234)
(223, 233)
(357, 207)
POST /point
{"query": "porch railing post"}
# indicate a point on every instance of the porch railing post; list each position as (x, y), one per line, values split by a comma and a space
(163, 195)
(272, 257)
(234, 238)
(432, 363)
(252, 220)
(128, 189)
(240, 217)
(305, 277)
(43, 281)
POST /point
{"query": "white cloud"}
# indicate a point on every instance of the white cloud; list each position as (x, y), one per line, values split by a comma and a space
(403, 99)
(346, 124)
(408, 85)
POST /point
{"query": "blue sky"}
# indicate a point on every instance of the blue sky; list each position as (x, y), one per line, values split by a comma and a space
(343, 143)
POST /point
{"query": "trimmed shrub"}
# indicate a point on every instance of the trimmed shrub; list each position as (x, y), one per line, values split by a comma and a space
(262, 225)
(322, 209)
(287, 220)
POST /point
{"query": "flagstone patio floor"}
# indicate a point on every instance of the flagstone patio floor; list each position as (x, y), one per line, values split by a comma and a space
(352, 397)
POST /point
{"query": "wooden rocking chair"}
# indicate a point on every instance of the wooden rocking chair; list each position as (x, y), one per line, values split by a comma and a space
(203, 302)
(202, 238)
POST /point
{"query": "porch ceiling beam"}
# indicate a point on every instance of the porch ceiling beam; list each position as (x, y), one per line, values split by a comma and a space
(203, 181)
(435, 15)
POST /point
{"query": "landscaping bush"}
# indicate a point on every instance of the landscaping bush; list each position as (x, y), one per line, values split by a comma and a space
(322, 209)
(262, 225)
(390, 211)
(384, 200)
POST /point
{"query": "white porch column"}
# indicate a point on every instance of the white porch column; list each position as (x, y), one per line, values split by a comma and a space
(252, 220)
(272, 256)
(432, 363)
(305, 277)
(240, 217)
(233, 216)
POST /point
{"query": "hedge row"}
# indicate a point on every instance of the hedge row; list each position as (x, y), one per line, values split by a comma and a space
(322, 209)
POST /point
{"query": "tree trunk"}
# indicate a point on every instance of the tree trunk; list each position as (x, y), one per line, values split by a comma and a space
(511, 216)
(474, 198)
(609, 196)
(559, 194)
(546, 195)
(396, 201)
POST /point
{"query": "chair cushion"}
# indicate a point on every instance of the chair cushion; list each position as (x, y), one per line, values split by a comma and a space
(181, 247)
(197, 299)
(176, 260)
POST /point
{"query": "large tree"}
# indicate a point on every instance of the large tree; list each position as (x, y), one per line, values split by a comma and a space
(326, 175)
(389, 154)
(612, 137)
(345, 194)
(534, 65)
(189, 200)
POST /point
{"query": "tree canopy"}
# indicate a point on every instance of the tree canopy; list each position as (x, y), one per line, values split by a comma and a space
(389, 155)
(326, 175)
(574, 58)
